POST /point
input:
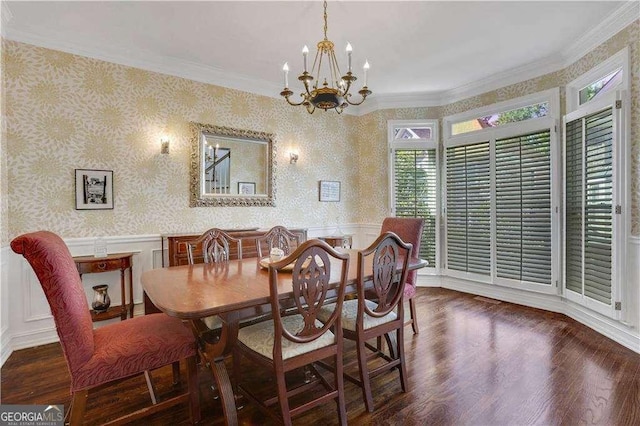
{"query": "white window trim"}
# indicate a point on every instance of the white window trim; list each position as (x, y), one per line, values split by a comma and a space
(552, 97)
(618, 60)
(426, 143)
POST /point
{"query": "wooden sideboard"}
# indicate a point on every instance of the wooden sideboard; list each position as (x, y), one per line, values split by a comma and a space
(176, 246)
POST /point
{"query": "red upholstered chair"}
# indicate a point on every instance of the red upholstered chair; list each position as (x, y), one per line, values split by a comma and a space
(115, 351)
(410, 231)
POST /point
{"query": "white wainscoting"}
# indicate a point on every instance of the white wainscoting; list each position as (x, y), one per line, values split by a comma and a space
(29, 321)
(25, 317)
(5, 332)
(26, 320)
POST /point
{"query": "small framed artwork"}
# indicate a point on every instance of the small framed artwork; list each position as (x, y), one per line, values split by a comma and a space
(246, 188)
(329, 190)
(94, 189)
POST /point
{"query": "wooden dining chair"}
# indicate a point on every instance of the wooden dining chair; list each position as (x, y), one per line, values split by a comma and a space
(290, 342)
(409, 229)
(377, 312)
(113, 352)
(215, 246)
(279, 237)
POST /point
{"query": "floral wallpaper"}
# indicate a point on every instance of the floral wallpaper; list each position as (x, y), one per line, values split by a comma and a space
(63, 112)
(371, 132)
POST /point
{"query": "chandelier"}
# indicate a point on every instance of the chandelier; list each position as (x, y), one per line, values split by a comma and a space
(333, 92)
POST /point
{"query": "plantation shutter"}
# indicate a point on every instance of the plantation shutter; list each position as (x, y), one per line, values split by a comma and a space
(589, 199)
(523, 207)
(469, 208)
(414, 183)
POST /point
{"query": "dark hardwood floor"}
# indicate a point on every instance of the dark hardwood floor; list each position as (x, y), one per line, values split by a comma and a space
(476, 361)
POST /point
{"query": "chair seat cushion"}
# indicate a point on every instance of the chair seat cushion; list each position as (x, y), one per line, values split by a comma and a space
(260, 337)
(350, 313)
(132, 346)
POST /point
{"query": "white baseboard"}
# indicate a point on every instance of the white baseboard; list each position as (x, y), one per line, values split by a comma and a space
(6, 348)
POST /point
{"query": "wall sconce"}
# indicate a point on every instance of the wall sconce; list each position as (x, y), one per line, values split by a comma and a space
(293, 157)
(164, 145)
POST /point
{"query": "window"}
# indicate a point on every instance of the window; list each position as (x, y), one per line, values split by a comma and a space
(591, 222)
(468, 208)
(414, 179)
(500, 194)
(523, 207)
(600, 87)
(501, 118)
(606, 77)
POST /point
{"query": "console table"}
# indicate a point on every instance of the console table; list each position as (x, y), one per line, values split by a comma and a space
(113, 262)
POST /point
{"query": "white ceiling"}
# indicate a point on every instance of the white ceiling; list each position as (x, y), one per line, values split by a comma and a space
(413, 47)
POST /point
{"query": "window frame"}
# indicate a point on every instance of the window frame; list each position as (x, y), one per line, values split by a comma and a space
(416, 144)
(550, 122)
(621, 196)
(616, 61)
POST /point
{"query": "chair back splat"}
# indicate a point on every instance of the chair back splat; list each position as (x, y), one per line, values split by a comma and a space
(215, 245)
(409, 229)
(279, 237)
(116, 351)
(315, 275)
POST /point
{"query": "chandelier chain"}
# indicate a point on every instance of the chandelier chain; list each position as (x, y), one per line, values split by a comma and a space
(325, 19)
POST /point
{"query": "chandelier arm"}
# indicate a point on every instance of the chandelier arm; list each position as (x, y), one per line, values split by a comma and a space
(305, 81)
(287, 96)
(364, 93)
(310, 107)
(347, 87)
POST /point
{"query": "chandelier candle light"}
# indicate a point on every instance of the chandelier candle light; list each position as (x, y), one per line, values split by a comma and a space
(334, 91)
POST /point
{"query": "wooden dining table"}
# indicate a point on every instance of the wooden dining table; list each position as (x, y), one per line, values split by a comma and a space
(233, 290)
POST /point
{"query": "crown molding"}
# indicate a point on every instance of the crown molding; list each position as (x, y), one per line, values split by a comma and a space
(150, 62)
(624, 16)
(612, 24)
(5, 15)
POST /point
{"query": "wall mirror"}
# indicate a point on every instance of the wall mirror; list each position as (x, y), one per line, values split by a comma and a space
(231, 167)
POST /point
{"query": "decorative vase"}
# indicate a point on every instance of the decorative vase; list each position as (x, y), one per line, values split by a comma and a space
(101, 300)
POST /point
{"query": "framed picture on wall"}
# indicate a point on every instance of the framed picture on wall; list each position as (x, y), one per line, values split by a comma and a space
(329, 190)
(94, 189)
(246, 188)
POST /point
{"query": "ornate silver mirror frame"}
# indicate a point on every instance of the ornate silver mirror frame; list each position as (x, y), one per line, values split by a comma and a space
(203, 134)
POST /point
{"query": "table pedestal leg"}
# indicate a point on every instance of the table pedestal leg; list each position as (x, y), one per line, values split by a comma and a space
(225, 390)
(213, 349)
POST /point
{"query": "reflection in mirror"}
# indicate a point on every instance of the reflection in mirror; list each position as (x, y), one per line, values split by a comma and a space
(231, 167)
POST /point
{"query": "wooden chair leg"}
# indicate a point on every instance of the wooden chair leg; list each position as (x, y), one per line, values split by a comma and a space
(78, 407)
(176, 372)
(339, 383)
(151, 387)
(364, 376)
(282, 398)
(404, 382)
(414, 318)
(194, 390)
